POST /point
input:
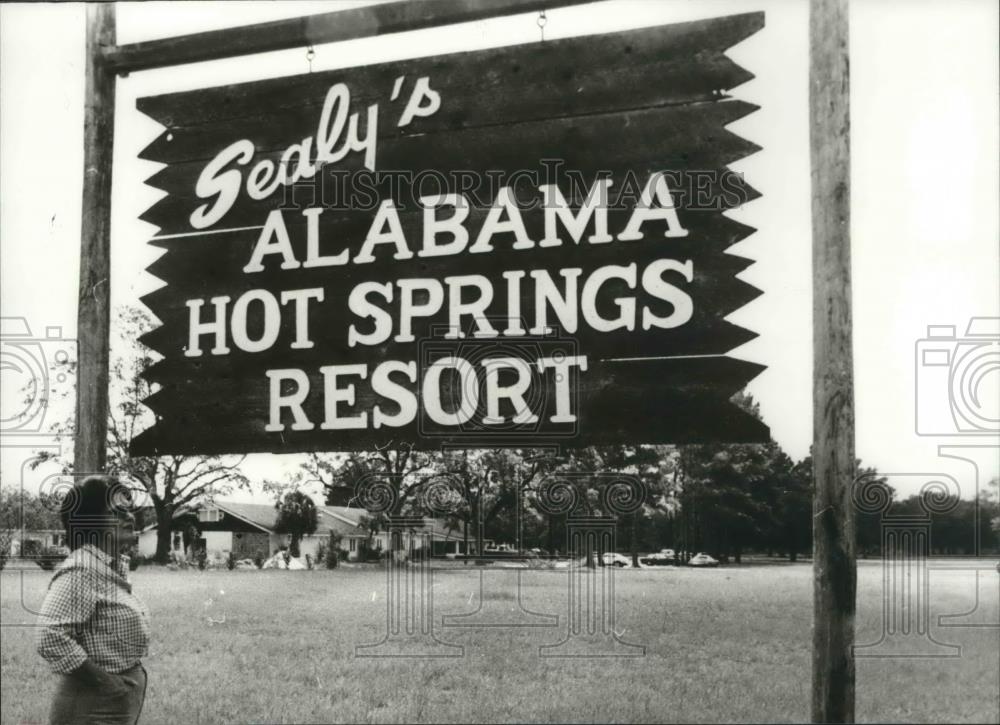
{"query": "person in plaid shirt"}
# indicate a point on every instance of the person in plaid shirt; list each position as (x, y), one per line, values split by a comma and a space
(93, 629)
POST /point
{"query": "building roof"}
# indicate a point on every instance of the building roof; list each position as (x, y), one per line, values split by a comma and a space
(339, 519)
(184, 510)
(261, 515)
(342, 520)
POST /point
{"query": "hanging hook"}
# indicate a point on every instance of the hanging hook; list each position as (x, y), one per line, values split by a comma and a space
(310, 54)
(542, 21)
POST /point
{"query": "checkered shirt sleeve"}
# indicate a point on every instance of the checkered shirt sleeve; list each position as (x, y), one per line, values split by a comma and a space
(90, 612)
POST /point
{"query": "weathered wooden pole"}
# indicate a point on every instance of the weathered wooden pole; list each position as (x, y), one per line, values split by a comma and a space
(834, 566)
(94, 310)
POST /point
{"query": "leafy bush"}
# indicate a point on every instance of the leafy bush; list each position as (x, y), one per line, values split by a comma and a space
(421, 554)
(5, 538)
(343, 555)
(49, 557)
(309, 562)
(201, 558)
(230, 561)
(366, 552)
(31, 548)
(331, 555)
(132, 557)
(258, 559)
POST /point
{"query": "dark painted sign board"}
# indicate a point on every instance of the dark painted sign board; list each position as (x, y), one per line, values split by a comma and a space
(521, 244)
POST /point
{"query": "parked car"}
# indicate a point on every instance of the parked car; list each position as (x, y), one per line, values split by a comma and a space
(665, 557)
(612, 559)
(499, 547)
(501, 551)
(703, 559)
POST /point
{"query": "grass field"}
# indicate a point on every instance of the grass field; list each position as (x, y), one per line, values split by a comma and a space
(731, 644)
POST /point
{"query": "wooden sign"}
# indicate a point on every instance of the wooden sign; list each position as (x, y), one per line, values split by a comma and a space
(519, 244)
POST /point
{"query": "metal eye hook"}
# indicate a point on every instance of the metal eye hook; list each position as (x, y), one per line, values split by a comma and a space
(310, 54)
(542, 21)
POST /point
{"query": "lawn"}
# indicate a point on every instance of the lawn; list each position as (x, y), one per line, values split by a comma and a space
(731, 644)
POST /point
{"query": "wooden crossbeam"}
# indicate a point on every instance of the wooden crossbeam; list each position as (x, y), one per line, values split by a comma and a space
(301, 32)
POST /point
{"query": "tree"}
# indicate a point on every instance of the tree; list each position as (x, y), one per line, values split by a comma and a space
(868, 524)
(21, 509)
(10, 521)
(739, 496)
(371, 525)
(504, 479)
(322, 469)
(645, 464)
(170, 482)
(992, 499)
(296, 517)
(793, 514)
(396, 466)
(20, 512)
(330, 554)
(471, 484)
(383, 481)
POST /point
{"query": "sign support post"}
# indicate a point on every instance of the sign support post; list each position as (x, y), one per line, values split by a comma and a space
(834, 565)
(94, 310)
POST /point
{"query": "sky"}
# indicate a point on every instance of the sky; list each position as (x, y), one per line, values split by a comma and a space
(925, 184)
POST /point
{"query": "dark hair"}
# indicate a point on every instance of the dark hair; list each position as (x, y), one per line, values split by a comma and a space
(90, 509)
